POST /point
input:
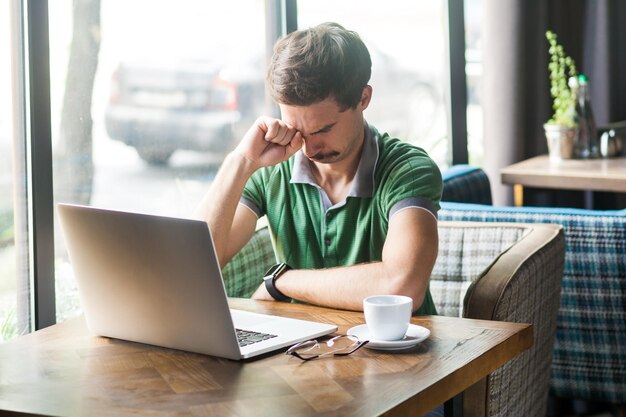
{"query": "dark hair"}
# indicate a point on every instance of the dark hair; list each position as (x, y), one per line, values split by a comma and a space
(310, 65)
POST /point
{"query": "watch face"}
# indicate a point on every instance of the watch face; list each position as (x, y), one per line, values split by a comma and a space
(272, 271)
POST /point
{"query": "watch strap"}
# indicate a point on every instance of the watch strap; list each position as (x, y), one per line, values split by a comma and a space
(270, 281)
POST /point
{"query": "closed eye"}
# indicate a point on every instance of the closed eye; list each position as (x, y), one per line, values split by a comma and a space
(325, 129)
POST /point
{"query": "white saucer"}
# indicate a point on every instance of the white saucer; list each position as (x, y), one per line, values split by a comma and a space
(414, 335)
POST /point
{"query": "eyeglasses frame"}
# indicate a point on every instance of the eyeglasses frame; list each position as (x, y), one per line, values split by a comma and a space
(358, 344)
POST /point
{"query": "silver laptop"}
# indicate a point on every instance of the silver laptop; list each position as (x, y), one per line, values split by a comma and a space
(156, 280)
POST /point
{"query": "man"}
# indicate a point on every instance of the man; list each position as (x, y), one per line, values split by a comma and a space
(351, 211)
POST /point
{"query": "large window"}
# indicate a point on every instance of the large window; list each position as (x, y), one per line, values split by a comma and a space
(147, 97)
(407, 43)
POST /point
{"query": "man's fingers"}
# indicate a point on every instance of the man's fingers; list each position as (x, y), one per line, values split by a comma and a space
(272, 127)
(279, 132)
(295, 144)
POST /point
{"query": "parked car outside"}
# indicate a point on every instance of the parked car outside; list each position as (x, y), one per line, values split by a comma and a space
(158, 108)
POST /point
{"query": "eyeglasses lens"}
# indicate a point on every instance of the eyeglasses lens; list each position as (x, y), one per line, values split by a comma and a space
(337, 346)
(340, 344)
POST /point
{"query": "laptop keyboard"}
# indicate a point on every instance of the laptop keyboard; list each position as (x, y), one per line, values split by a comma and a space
(247, 337)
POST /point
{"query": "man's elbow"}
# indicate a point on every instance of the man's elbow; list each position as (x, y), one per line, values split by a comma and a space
(411, 286)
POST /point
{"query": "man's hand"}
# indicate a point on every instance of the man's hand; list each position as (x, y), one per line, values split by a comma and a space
(269, 142)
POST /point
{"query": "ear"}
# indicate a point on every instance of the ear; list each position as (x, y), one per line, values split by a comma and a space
(366, 97)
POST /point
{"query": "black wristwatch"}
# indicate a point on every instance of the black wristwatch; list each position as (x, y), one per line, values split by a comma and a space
(270, 279)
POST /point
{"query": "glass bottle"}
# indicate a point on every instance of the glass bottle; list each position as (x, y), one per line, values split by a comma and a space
(587, 144)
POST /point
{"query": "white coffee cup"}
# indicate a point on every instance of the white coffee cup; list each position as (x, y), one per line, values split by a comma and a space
(387, 316)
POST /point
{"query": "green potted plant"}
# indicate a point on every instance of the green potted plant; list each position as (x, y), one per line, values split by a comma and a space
(562, 129)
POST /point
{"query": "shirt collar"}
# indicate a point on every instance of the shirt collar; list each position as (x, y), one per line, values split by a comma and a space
(363, 182)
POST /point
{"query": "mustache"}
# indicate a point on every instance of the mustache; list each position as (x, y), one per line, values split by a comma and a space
(320, 156)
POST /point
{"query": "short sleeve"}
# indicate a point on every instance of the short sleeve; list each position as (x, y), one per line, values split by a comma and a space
(254, 195)
(413, 180)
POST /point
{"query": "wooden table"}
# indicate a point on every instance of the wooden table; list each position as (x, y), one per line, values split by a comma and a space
(63, 370)
(604, 174)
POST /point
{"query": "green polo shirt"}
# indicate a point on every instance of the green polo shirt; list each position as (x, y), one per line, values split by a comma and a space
(309, 232)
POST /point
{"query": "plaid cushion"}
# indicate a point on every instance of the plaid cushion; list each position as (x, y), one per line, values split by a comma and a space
(464, 254)
(589, 361)
(244, 273)
(466, 184)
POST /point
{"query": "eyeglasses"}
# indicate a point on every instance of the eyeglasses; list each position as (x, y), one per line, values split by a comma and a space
(341, 345)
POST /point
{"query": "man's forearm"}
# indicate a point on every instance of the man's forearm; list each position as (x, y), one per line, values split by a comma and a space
(219, 205)
(268, 142)
(346, 287)
(408, 257)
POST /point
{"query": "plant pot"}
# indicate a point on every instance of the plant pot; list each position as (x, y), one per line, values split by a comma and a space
(560, 141)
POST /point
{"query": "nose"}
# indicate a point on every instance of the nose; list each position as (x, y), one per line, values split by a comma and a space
(311, 146)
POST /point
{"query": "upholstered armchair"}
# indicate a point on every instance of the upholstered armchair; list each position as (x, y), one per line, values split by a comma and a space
(508, 272)
(589, 353)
